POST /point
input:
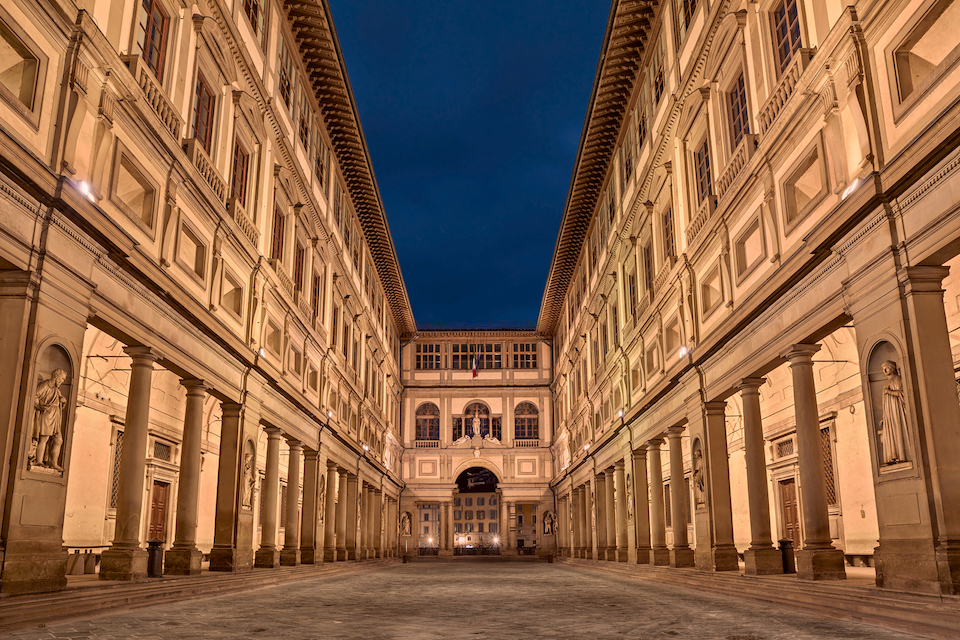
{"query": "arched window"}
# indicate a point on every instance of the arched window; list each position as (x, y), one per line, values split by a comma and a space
(526, 424)
(479, 411)
(428, 422)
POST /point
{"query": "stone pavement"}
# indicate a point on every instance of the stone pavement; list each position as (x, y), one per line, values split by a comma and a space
(466, 600)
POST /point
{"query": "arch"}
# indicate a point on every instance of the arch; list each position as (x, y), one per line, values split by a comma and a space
(526, 422)
(427, 422)
(479, 462)
(427, 409)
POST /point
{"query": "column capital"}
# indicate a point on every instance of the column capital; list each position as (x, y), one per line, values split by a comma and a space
(231, 409)
(800, 354)
(619, 464)
(310, 454)
(715, 407)
(142, 356)
(654, 443)
(639, 454)
(923, 279)
(194, 387)
(272, 432)
(750, 385)
(293, 443)
(331, 465)
(608, 472)
(675, 432)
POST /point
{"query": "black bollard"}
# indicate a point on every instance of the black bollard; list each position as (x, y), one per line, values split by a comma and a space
(789, 560)
(155, 558)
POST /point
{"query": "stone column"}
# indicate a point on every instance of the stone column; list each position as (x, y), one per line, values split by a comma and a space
(681, 555)
(354, 516)
(593, 542)
(268, 555)
(620, 504)
(224, 555)
(640, 527)
(330, 514)
(125, 560)
(901, 553)
(445, 547)
(183, 559)
(716, 470)
(818, 559)
(761, 558)
(309, 520)
(610, 514)
(378, 532)
(600, 482)
(290, 556)
(659, 554)
(342, 515)
(512, 527)
(363, 541)
(576, 507)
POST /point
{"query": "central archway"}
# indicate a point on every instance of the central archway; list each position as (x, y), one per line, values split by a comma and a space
(476, 513)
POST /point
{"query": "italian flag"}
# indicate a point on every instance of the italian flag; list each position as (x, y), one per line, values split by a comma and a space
(476, 359)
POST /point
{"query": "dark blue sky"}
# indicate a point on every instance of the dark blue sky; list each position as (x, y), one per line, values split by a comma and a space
(472, 112)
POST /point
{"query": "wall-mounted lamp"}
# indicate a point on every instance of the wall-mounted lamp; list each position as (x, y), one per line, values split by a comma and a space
(586, 447)
(261, 352)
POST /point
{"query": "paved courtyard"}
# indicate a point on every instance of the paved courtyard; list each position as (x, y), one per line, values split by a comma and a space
(466, 600)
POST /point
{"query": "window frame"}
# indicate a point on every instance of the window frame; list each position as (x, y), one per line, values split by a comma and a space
(201, 85)
(780, 63)
(158, 6)
(32, 113)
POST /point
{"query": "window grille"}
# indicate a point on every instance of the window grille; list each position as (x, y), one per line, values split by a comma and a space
(162, 451)
(115, 487)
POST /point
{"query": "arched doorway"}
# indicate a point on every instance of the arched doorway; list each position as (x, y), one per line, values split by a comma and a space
(476, 513)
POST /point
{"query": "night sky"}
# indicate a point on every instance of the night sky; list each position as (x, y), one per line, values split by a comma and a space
(472, 113)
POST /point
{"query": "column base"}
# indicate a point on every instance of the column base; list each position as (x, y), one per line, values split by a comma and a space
(329, 554)
(290, 558)
(123, 564)
(622, 555)
(725, 559)
(763, 562)
(643, 555)
(948, 571)
(820, 564)
(182, 562)
(683, 557)
(227, 559)
(267, 559)
(660, 557)
(341, 555)
(311, 556)
(37, 572)
(353, 555)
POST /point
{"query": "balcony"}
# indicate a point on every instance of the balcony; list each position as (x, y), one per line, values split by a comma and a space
(663, 274)
(426, 444)
(741, 156)
(535, 442)
(282, 276)
(239, 215)
(153, 95)
(784, 89)
(707, 207)
(198, 156)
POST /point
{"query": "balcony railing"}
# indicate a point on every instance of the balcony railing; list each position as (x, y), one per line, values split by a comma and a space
(663, 275)
(427, 444)
(198, 156)
(282, 276)
(153, 94)
(741, 156)
(707, 207)
(239, 216)
(527, 443)
(784, 89)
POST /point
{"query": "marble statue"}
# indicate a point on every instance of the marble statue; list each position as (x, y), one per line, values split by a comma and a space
(548, 524)
(246, 498)
(48, 422)
(629, 498)
(475, 424)
(698, 479)
(323, 496)
(893, 423)
(405, 525)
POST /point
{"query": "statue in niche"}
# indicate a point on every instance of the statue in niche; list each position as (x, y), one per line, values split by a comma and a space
(246, 497)
(475, 424)
(405, 525)
(629, 493)
(548, 524)
(893, 423)
(47, 438)
(323, 496)
(698, 479)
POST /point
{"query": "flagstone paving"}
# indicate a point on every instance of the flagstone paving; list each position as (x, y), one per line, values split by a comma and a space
(466, 600)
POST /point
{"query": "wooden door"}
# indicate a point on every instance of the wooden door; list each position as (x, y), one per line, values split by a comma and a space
(791, 520)
(158, 511)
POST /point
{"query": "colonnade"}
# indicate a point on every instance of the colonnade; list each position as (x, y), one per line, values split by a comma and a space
(332, 495)
(602, 518)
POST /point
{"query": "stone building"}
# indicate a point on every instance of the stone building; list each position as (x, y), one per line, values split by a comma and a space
(750, 303)
(202, 307)
(745, 337)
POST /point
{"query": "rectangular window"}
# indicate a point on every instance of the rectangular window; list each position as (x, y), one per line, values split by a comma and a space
(428, 356)
(929, 49)
(524, 355)
(191, 252)
(241, 164)
(492, 527)
(648, 275)
(257, 15)
(615, 323)
(133, 192)
(786, 31)
(285, 75)
(306, 119)
(276, 247)
(203, 114)
(320, 161)
(299, 254)
(737, 104)
(669, 244)
(656, 72)
(667, 506)
(701, 166)
(152, 35)
(685, 9)
(333, 330)
(317, 294)
(632, 293)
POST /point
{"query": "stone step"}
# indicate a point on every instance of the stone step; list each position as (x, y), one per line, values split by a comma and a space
(17, 612)
(933, 616)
